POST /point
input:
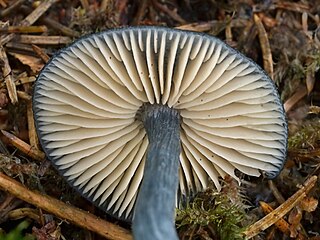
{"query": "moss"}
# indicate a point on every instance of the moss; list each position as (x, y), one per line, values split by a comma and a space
(17, 233)
(306, 137)
(212, 215)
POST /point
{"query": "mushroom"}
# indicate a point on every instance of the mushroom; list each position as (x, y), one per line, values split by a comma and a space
(138, 118)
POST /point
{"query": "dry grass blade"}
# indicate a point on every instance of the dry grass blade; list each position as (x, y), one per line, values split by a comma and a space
(6, 71)
(265, 46)
(33, 138)
(310, 79)
(64, 211)
(282, 210)
(299, 94)
(42, 40)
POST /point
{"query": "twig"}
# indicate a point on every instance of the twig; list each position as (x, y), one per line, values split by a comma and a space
(24, 212)
(37, 13)
(276, 193)
(6, 71)
(85, 5)
(52, 23)
(40, 52)
(59, 27)
(24, 80)
(292, 6)
(31, 18)
(268, 21)
(64, 211)
(3, 3)
(24, 96)
(207, 26)
(15, 47)
(265, 46)
(282, 210)
(140, 13)
(24, 147)
(24, 29)
(105, 5)
(228, 31)
(11, 8)
(173, 14)
(281, 224)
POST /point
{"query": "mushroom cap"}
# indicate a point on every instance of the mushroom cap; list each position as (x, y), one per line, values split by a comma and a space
(87, 97)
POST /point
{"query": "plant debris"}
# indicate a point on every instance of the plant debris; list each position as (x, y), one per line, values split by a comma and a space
(283, 37)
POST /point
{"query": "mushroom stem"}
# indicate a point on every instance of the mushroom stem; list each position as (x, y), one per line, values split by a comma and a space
(155, 207)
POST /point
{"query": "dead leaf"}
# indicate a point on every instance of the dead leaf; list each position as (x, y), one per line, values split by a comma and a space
(50, 231)
(310, 79)
(309, 204)
(36, 64)
(300, 93)
(294, 219)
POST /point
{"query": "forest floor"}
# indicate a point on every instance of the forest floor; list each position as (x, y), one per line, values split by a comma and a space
(283, 37)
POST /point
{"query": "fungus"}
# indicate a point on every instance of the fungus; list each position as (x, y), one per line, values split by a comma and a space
(137, 118)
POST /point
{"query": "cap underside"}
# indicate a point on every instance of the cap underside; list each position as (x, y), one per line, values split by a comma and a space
(87, 96)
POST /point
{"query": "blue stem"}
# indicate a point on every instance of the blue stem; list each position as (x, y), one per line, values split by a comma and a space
(155, 207)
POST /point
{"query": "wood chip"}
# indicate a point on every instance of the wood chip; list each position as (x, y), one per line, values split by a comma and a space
(24, 95)
(33, 137)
